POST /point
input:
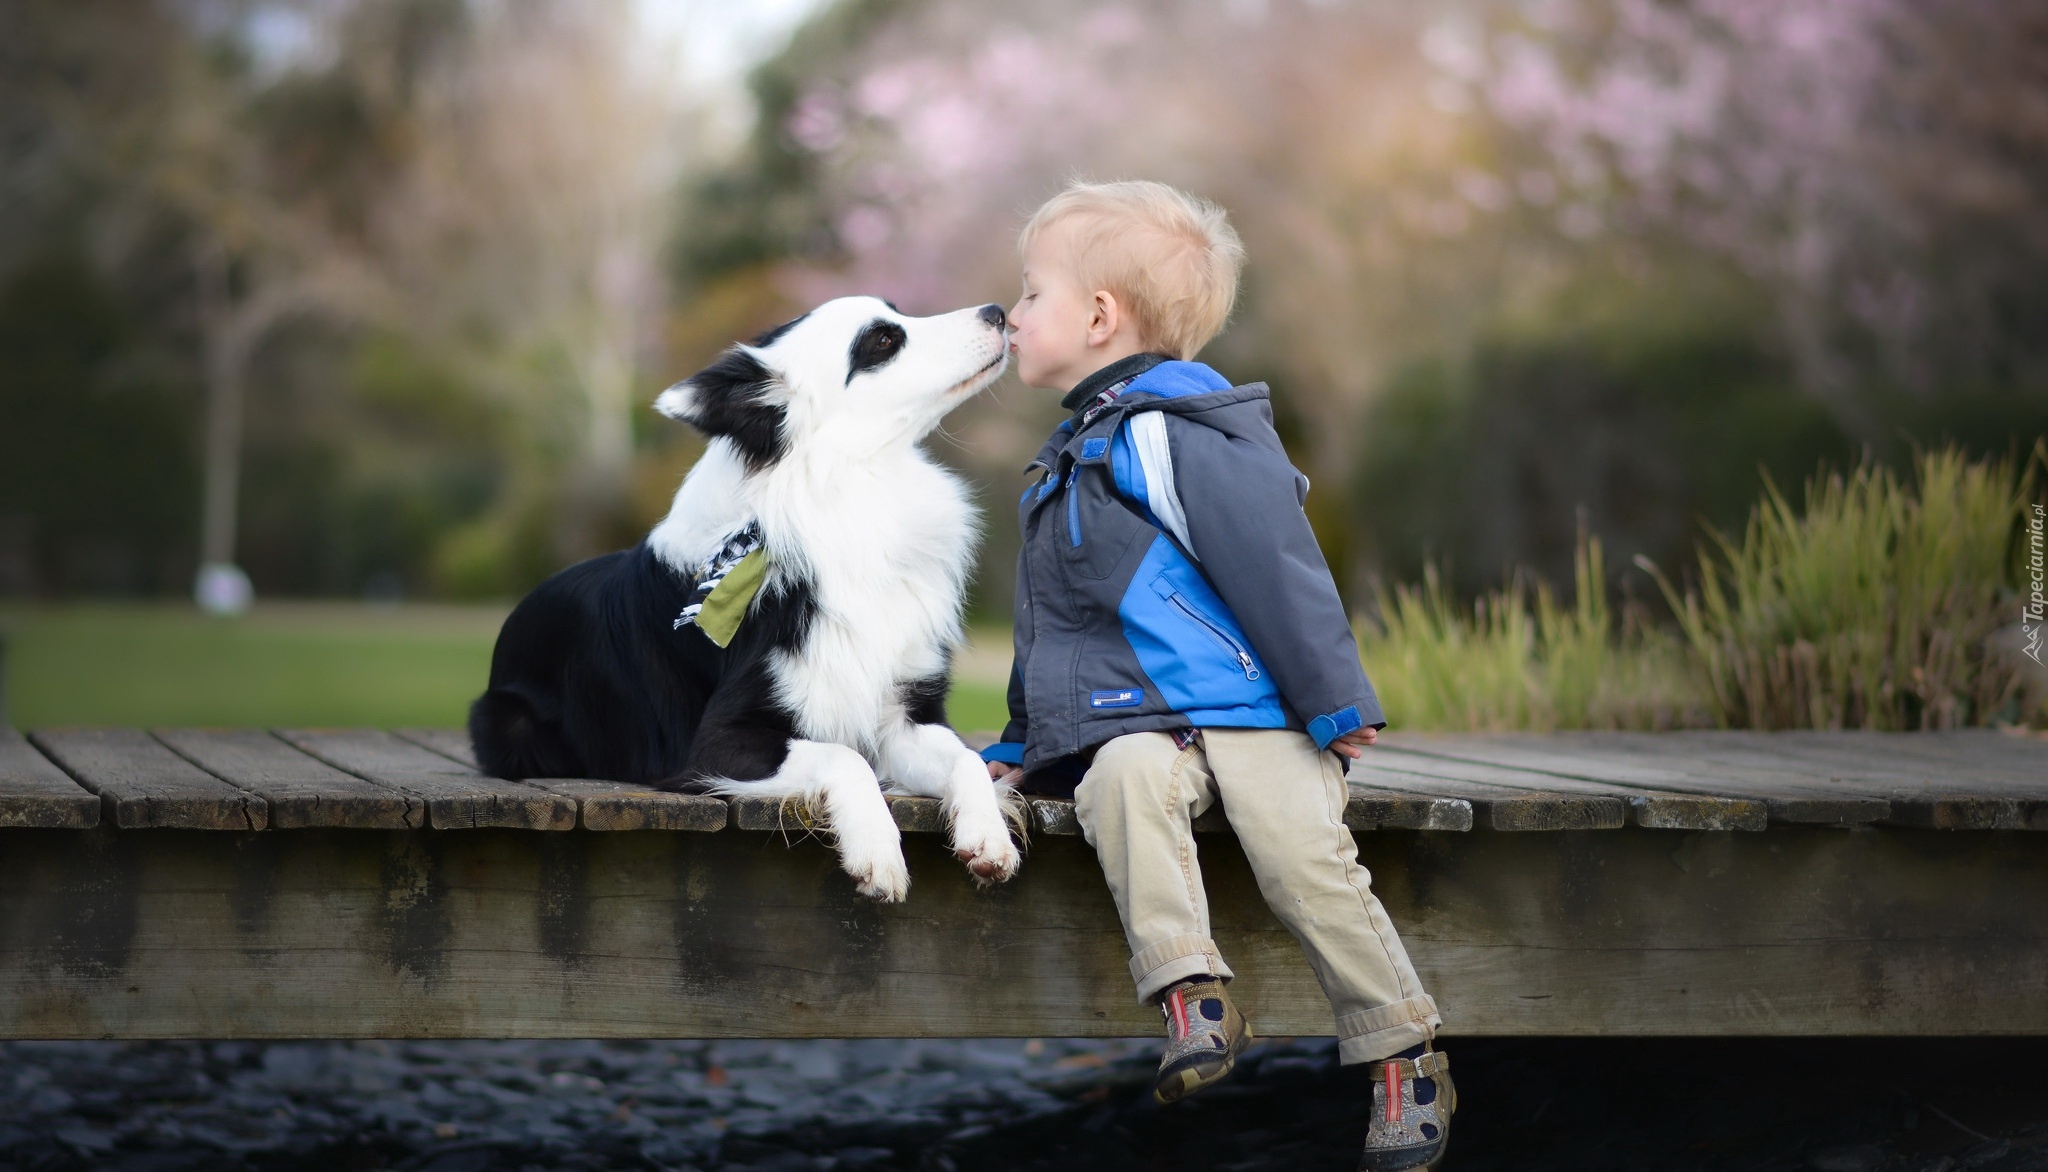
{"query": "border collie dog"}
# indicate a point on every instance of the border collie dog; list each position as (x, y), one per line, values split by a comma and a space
(786, 631)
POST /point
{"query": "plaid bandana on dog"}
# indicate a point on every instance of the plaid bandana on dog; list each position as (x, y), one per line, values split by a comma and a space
(726, 584)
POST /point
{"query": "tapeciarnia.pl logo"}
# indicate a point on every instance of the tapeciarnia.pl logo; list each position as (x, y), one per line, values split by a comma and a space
(2031, 617)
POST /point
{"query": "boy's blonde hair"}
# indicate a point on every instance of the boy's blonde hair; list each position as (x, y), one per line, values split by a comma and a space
(1171, 258)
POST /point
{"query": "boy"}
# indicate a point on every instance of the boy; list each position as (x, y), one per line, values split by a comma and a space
(1180, 641)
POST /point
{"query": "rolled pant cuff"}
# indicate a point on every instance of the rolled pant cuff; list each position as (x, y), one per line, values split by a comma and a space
(1373, 1034)
(1175, 958)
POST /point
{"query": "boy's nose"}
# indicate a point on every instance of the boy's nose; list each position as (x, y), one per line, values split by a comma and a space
(993, 315)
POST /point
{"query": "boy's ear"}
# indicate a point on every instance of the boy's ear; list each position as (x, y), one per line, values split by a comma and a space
(1108, 316)
(731, 398)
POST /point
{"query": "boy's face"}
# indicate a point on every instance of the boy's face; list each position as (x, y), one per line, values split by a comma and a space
(1061, 332)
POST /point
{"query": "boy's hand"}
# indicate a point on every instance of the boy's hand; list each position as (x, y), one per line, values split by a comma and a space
(1001, 771)
(1353, 743)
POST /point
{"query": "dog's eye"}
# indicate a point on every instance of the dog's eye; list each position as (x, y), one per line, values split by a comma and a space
(878, 342)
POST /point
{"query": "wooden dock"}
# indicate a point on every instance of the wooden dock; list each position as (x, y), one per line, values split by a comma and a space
(321, 883)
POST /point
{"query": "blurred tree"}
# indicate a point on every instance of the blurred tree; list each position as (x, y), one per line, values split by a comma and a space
(285, 183)
(527, 231)
(97, 381)
(1881, 166)
(96, 487)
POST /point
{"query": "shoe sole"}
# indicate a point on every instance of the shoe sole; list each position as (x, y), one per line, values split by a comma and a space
(1184, 1082)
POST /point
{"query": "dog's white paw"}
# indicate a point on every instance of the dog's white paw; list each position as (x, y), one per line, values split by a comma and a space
(990, 855)
(881, 875)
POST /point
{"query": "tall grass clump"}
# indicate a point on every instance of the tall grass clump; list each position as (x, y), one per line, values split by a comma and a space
(1876, 606)
(1521, 659)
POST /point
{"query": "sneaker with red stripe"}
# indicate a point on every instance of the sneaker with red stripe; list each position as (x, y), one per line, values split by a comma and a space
(1204, 1035)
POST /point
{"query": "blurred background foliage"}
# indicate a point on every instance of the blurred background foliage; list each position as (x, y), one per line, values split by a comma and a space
(1531, 279)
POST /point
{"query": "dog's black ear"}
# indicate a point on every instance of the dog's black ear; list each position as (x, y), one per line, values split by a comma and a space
(733, 398)
(773, 334)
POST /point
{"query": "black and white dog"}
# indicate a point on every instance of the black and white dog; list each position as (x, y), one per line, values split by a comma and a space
(857, 548)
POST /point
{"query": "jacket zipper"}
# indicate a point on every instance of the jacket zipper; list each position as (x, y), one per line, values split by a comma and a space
(1244, 659)
(1073, 509)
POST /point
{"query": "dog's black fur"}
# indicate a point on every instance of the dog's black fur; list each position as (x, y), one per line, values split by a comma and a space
(590, 679)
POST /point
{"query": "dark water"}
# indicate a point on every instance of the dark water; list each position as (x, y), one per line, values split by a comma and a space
(1845, 1105)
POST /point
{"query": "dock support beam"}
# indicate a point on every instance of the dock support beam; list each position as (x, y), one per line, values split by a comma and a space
(506, 933)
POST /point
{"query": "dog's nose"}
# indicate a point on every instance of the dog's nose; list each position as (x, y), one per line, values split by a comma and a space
(993, 315)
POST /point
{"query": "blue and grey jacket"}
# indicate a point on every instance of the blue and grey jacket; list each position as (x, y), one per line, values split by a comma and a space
(1168, 577)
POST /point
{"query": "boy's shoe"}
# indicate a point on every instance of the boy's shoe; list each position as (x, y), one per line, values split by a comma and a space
(1406, 1133)
(1204, 1035)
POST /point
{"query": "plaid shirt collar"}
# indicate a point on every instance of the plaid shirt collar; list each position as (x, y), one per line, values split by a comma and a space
(1093, 395)
(1101, 402)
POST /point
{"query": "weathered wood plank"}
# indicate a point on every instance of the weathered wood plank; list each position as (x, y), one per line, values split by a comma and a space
(1969, 812)
(1920, 781)
(1630, 759)
(1379, 809)
(1647, 805)
(457, 798)
(334, 933)
(143, 784)
(1975, 779)
(1923, 784)
(2024, 758)
(1725, 781)
(299, 790)
(611, 805)
(1054, 816)
(913, 815)
(452, 743)
(34, 793)
(1503, 807)
(1881, 760)
(1547, 811)
(1795, 792)
(918, 815)
(600, 805)
(1517, 755)
(791, 817)
(1893, 761)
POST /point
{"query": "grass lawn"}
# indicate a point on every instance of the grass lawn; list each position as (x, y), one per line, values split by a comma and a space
(284, 663)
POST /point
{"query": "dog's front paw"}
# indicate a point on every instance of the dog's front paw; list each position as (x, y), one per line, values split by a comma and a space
(880, 876)
(990, 856)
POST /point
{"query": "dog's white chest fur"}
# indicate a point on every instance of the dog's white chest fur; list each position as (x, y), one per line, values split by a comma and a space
(882, 540)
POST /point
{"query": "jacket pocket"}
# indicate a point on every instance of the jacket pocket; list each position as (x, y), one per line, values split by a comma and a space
(1215, 629)
(1100, 529)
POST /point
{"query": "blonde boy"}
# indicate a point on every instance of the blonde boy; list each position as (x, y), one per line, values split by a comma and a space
(1180, 642)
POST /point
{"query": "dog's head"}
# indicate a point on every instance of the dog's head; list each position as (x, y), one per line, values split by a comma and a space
(853, 368)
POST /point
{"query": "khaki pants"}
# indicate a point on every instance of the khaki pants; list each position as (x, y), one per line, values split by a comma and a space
(1285, 800)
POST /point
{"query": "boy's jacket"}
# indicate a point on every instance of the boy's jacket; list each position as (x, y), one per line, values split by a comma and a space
(1168, 577)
